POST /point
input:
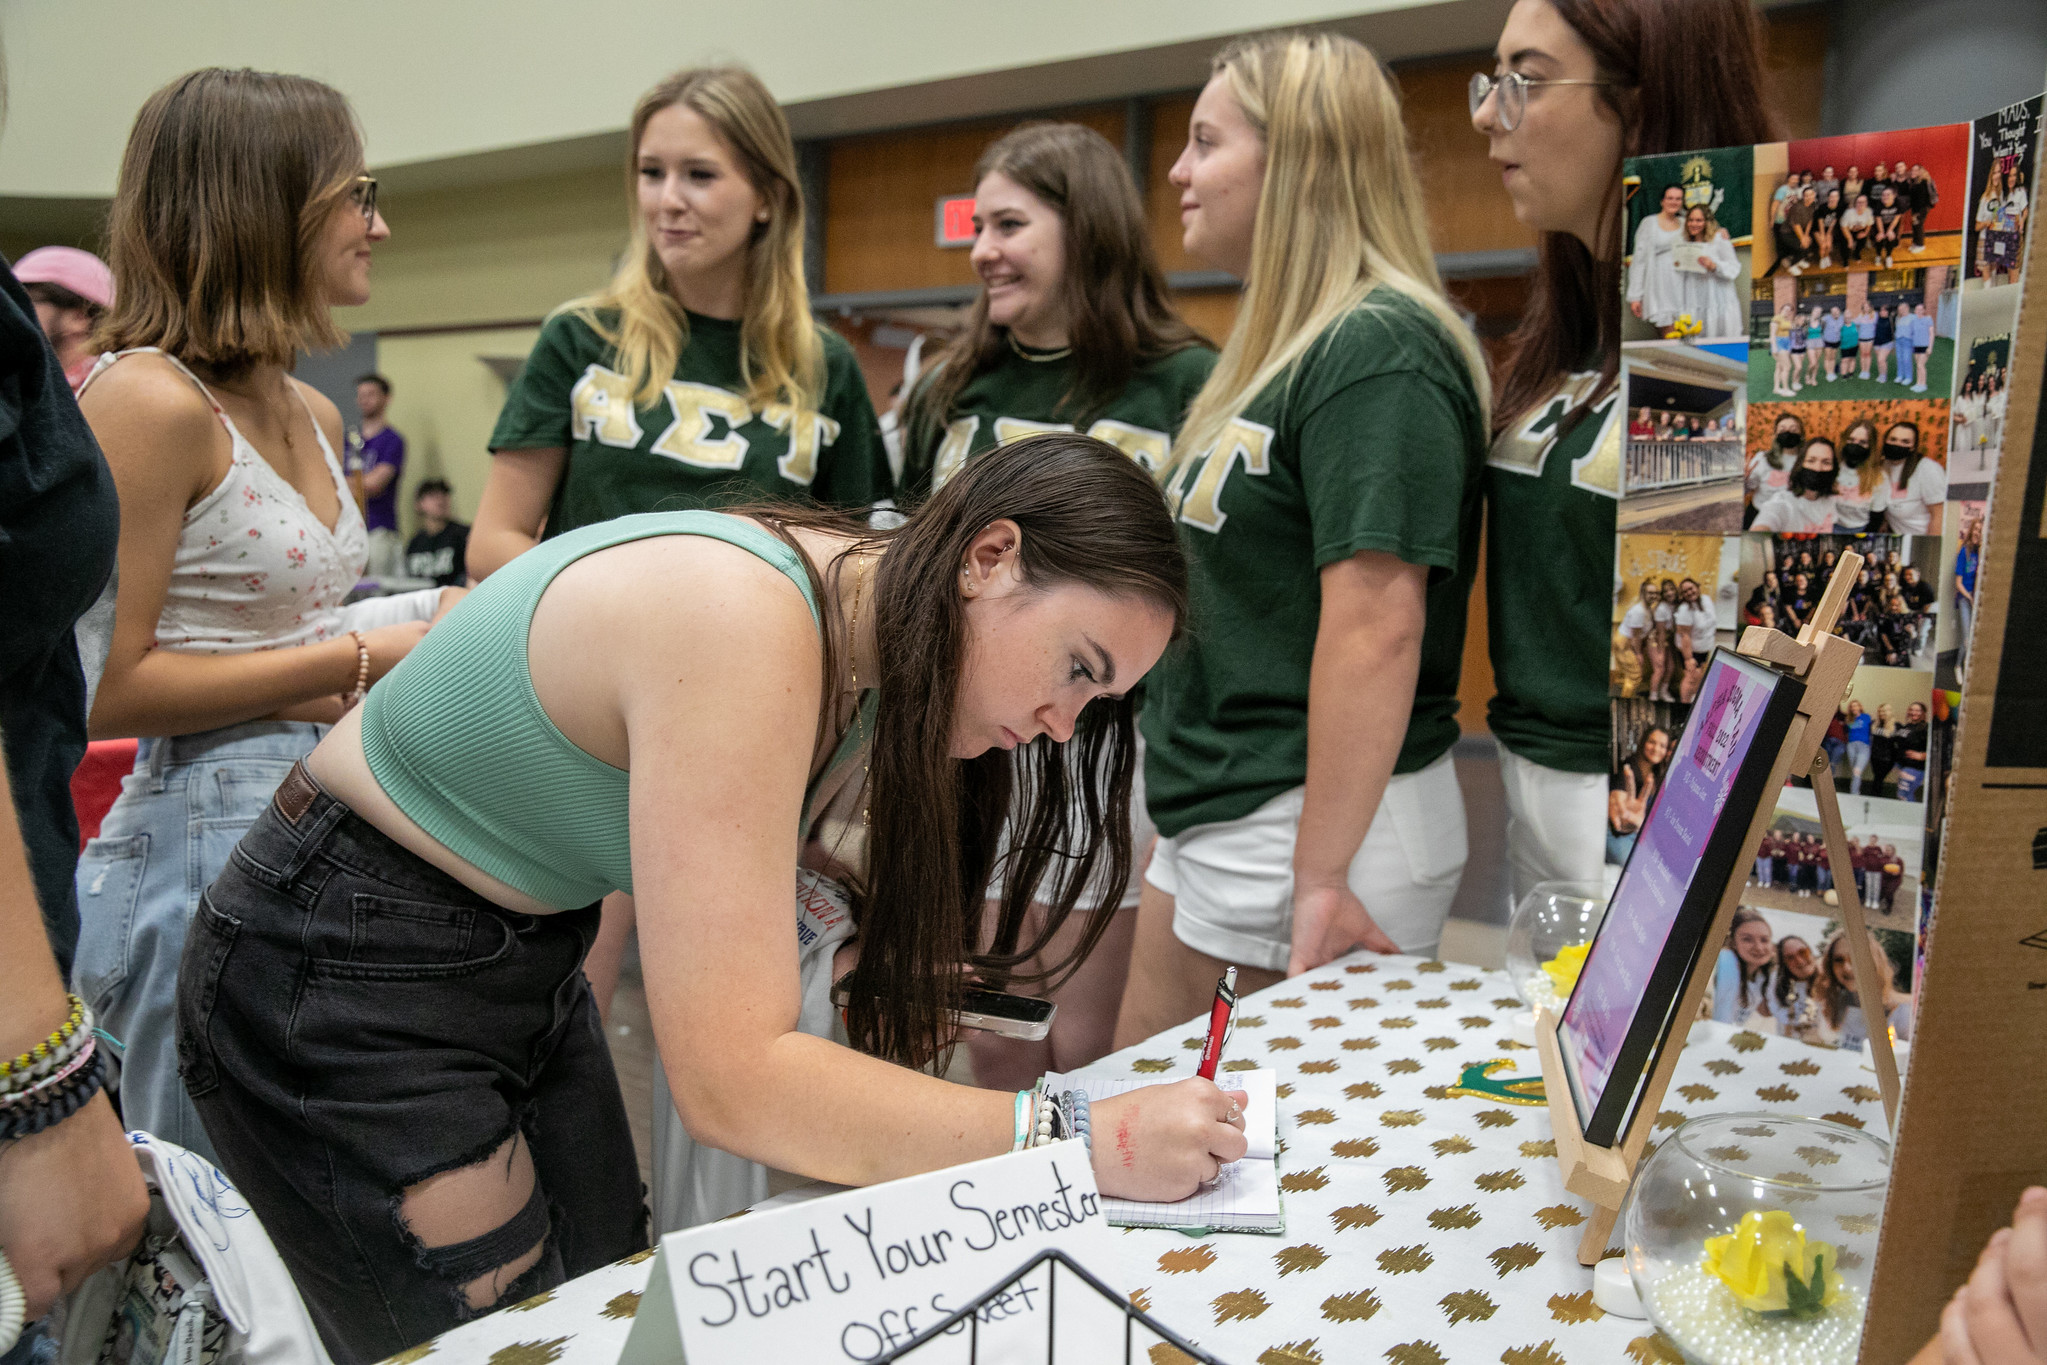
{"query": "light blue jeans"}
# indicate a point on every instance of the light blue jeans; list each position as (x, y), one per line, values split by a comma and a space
(169, 833)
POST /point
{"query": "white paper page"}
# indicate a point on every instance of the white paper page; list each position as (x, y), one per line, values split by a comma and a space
(1244, 1191)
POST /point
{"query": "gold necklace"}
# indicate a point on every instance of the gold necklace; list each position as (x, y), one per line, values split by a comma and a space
(1037, 357)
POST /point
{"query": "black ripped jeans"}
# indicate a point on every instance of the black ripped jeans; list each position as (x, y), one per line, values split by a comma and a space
(351, 1020)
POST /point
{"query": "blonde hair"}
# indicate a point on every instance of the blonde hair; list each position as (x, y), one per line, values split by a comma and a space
(1340, 213)
(781, 357)
(228, 180)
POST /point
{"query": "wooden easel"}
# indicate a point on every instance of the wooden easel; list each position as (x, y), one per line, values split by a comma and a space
(1826, 663)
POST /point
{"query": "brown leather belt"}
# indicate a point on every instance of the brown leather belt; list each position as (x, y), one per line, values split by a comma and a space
(296, 792)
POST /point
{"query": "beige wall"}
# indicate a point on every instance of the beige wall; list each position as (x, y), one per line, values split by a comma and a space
(496, 253)
(455, 78)
(445, 400)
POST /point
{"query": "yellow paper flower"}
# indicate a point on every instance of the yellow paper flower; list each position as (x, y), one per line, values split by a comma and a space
(1563, 969)
(1685, 326)
(1771, 1267)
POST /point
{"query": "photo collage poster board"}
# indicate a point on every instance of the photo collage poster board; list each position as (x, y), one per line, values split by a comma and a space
(1793, 314)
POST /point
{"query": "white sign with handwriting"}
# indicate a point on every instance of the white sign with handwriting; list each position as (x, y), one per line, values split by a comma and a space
(851, 1276)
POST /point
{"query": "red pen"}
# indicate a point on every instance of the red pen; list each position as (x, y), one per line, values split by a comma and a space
(1219, 1016)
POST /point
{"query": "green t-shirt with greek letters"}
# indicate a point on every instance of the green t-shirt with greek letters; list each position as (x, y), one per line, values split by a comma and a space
(1374, 440)
(1020, 395)
(1553, 494)
(702, 444)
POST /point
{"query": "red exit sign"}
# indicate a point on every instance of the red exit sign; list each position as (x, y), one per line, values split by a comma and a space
(956, 220)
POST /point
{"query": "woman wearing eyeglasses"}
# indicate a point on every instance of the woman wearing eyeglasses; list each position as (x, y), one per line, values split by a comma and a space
(241, 218)
(1577, 85)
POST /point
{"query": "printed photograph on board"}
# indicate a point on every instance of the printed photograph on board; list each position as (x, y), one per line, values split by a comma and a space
(1644, 739)
(1890, 607)
(1848, 468)
(2004, 151)
(1884, 838)
(1878, 738)
(1792, 974)
(1687, 423)
(1867, 335)
(1961, 557)
(1983, 390)
(1674, 600)
(1863, 201)
(1688, 223)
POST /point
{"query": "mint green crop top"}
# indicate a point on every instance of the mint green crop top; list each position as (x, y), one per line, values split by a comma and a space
(456, 735)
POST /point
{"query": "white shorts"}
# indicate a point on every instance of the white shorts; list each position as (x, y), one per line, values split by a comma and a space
(1556, 823)
(1232, 881)
(1141, 832)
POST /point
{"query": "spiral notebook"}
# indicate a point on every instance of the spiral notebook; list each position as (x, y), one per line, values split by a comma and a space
(1244, 1196)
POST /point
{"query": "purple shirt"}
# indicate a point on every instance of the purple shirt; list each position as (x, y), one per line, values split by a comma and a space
(387, 447)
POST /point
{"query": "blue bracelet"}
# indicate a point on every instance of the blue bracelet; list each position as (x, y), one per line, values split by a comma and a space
(1080, 1125)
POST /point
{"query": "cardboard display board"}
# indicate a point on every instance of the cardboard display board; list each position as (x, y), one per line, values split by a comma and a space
(1974, 1131)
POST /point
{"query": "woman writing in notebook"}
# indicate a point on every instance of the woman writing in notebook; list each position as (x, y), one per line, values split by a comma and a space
(671, 704)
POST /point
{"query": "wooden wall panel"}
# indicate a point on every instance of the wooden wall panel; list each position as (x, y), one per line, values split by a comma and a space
(1210, 312)
(1161, 199)
(1795, 46)
(1467, 205)
(879, 195)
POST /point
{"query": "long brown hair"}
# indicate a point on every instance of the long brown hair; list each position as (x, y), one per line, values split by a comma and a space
(228, 179)
(1089, 515)
(1689, 75)
(1118, 313)
(781, 357)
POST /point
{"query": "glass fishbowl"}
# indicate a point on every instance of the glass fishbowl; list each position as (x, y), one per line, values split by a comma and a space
(1752, 1237)
(1548, 938)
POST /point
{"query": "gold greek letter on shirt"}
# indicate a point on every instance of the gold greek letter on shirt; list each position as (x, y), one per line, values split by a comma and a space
(688, 438)
(601, 407)
(1198, 504)
(1141, 444)
(808, 433)
(952, 451)
(1009, 429)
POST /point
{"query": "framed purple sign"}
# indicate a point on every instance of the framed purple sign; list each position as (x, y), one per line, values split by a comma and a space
(1619, 1014)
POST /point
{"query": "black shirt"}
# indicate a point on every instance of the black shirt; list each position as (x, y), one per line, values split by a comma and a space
(439, 556)
(59, 521)
(1919, 596)
(1912, 739)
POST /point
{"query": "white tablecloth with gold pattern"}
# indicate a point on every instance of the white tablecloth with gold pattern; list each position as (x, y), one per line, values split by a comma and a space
(1423, 1227)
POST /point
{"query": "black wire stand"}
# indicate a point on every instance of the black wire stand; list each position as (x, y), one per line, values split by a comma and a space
(972, 1315)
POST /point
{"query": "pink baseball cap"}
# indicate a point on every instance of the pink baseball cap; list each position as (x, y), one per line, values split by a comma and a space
(83, 273)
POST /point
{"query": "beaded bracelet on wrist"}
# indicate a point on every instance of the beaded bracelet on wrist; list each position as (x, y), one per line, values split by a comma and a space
(58, 1105)
(35, 1060)
(49, 1085)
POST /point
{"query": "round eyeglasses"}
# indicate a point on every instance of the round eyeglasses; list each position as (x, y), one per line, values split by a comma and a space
(364, 193)
(1513, 91)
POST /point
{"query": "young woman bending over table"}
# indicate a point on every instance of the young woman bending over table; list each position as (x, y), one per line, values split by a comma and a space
(383, 1017)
